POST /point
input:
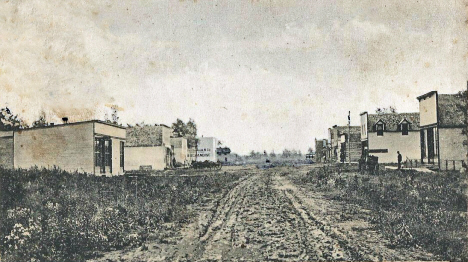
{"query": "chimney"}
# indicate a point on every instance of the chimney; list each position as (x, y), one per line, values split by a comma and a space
(65, 120)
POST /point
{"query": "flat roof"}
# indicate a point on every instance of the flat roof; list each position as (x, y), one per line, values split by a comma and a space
(74, 123)
(426, 95)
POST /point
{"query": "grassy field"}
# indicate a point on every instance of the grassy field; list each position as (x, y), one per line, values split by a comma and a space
(52, 215)
(411, 209)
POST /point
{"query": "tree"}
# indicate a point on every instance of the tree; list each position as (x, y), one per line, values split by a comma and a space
(179, 128)
(41, 121)
(252, 154)
(310, 150)
(272, 154)
(386, 110)
(286, 153)
(9, 121)
(114, 115)
(187, 130)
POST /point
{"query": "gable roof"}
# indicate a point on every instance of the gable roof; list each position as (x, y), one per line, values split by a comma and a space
(450, 110)
(393, 120)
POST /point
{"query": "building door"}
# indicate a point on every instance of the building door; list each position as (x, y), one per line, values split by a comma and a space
(103, 154)
(343, 153)
(430, 145)
(423, 145)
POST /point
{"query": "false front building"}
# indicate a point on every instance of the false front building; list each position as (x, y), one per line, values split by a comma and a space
(341, 143)
(179, 145)
(442, 123)
(149, 148)
(206, 149)
(93, 147)
(382, 135)
(322, 152)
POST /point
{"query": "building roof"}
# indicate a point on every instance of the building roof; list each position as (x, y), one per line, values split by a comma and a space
(426, 95)
(6, 133)
(392, 121)
(344, 129)
(145, 136)
(52, 125)
(450, 110)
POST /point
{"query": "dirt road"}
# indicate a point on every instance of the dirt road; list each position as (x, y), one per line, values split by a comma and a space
(266, 218)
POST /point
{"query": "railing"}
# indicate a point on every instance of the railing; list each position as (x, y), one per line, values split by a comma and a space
(444, 165)
(412, 163)
(452, 164)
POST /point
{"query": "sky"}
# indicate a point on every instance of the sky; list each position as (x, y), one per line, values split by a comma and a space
(256, 74)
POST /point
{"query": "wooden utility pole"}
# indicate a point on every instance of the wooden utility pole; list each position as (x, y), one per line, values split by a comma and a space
(349, 137)
(466, 127)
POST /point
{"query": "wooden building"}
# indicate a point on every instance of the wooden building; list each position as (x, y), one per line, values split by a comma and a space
(441, 135)
(94, 147)
(149, 147)
(382, 135)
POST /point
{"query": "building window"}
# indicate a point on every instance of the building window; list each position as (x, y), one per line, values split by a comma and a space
(404, 129)
(97, 152)
(108, 153)
(122, 155)
(380, 129)
(103, 154)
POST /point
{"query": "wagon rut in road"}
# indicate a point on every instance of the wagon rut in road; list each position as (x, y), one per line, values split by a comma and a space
(260, 222)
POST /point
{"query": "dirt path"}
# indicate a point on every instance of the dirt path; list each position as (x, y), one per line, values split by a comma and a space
(265, 218)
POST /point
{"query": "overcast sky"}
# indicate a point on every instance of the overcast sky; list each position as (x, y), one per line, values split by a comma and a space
(256, 74)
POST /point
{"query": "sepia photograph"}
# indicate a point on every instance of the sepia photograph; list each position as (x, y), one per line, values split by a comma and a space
(233, 130)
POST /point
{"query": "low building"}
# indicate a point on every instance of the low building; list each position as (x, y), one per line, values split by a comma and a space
(206, 149)
(149, 148)
(442, 124)
(93, 147)
(6, 149)
(224, 155)
(191, 155)
(180, 147)
(382, 135)
(322, 152)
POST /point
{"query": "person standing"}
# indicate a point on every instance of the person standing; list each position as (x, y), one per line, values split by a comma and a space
(400, 158)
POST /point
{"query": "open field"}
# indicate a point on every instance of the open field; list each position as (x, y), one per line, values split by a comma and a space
(306, 213)
(411, 210)
(58, 216)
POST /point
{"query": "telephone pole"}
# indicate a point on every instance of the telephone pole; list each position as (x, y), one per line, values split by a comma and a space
(349, 137)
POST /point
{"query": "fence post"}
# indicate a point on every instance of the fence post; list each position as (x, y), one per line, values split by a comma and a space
(453, 165)
(446, 164)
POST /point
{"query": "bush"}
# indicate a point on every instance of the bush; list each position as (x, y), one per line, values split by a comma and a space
(409, 208)
(52, 215)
